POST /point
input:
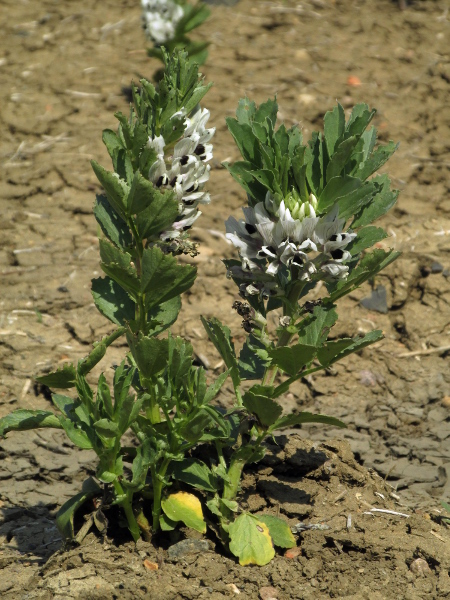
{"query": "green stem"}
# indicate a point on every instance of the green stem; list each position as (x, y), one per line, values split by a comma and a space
(284, 387)
(108, 340)
(290, 309)
(126, 501)
(158, 486)
(153, 413)
(140, 314)
(234, 475)
(219, 450)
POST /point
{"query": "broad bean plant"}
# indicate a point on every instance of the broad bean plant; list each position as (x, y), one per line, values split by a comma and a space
(168, 22)
(167, 454)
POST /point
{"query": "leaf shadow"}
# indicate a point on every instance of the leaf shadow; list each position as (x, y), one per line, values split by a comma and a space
(29, 534)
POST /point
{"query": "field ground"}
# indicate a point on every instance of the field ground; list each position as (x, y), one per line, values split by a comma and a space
(62, 70)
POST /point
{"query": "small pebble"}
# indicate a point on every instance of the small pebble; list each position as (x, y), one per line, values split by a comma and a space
(184, 547)
(293, 552)
(419, 567)
(446, 401)
(234, 588)
(268, 593)
(436, 267)
(151, 566)
(377, 300)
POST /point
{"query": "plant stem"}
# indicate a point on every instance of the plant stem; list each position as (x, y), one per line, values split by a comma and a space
(219, 451)
(241, 457)
(126, 503)
(153, 413)
(231, 487)
(290, 309)
(158, 486)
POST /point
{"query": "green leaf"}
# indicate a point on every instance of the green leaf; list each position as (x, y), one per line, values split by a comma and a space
(116, 189)
(62, 378)
(267, 110)
(315, 170)
(292, 359)
(366, 238)
(76, 434)
(341, 157)
(22, 420)
(213, 506)
(113, 301)
(64, 404)
(215, 388)
(336, 188)
(351, 203)
(160, 214)
(117, 265)
(125, 133)
(230, 504)
(306, 417)
(193, 429)
(314, 328)
(180, 361)
(194, 472)
(279, 530)
(359, 119)
(104, 401)
(109, 469)
(140, 196)
(334, 127)
(145, 456)
(220, 335)
(123, 378)
(112, 225)
(166, 524)
(376, 160)
(266, 178)
(129, 412)
(327, 354)
(150, 354)
(66, 514)
(163, 278)
(245, 140)
(252, 365)
(383, 200)
(241, 171)
(250, 540)
(185, 507)
(333, 351)
(245, 111)
(162, 316)
(262, 406)
(107, 428)
(112, 142)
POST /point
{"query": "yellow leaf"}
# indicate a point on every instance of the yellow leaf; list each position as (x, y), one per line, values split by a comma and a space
(185, 507)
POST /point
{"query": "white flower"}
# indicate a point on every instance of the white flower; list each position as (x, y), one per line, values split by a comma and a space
(160, 19)
(157, 144)
(310, 247)
(187, 172)
(334, 270)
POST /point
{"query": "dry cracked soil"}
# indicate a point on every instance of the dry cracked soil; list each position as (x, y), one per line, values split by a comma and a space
(63, 68)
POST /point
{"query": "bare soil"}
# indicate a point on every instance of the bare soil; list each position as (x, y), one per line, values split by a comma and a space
(62, 70)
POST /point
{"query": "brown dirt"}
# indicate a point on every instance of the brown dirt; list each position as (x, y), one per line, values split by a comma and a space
(62, 67)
